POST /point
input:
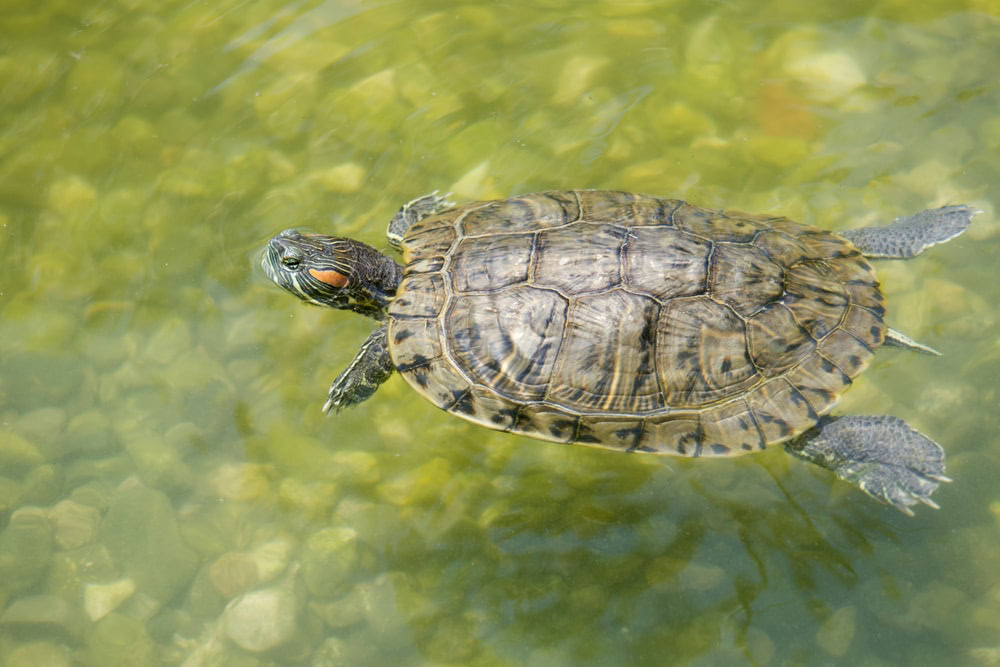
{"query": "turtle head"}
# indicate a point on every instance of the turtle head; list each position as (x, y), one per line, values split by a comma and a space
(332, 271)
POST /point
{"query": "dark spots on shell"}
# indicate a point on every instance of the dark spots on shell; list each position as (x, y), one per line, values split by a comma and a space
(744, 426)
(878, 311)
(508, 415)
(876, 333)
(861, 263)
(719, 450)
(694, 439)
(463, 402)
(782, 425)
(827, 366)
(855, 361)
(633, 434)
(559, 427)
(864, 283)
(746, 447)
(421, 378)
(418, 361)
(402, 335)
(726, 365)
(824, 397)
(642, 448)
(588, 437)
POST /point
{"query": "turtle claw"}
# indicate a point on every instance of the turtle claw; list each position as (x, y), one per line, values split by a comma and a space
(928, 502)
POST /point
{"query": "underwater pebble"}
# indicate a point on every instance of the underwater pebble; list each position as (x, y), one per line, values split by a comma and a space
(272, 557)
(261, 620)
(99, 600)
(75, 524)
(158, 464)
(420, 485)
(343, 612)
(353, 467)
(140, 529)
(38, 654)
(71, 570)
(829, 75)
(44, 611)
(391, 604)
(42, 485)
(41, 425)
(837, 632)
(308, 498)
(89, 432)
(242, 481)
(329, 558)
(10, 494)
(668, 573)
(577, 77)
(234, 573)
(985, 656)
(344, 178)
(93, 494)
(119, 640)
(25, 550)
(16, 451)
(71, 195)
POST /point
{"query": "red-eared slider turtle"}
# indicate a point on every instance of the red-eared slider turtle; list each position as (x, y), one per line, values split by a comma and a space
(631, 322)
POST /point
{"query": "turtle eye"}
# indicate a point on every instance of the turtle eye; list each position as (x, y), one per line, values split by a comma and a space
(291, 262)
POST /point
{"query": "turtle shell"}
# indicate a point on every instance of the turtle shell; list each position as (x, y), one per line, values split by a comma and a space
(632, 322)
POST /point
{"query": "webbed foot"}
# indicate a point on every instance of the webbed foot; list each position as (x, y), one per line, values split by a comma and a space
(370, 367)
(911, 235)
(882, 455)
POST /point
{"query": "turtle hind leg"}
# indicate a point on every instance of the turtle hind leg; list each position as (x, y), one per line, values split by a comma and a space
(911, 235)
(370, 367)
(413, 212)
(882, 455)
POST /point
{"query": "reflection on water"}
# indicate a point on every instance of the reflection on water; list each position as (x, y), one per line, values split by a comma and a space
(170, 491)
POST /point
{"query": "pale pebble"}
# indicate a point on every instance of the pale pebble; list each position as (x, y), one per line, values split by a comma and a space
(837, 632)
(99, 600)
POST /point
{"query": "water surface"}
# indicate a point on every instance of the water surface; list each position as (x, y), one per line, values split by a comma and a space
(163, 457)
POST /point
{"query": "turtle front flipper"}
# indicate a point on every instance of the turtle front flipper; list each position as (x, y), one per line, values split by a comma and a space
(370, 367)
(910, 235)
(882, 455)
(413, 212)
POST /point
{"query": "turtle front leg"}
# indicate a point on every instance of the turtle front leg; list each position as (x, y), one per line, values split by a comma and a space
(370, 367)
(882, 455)
(413, 212)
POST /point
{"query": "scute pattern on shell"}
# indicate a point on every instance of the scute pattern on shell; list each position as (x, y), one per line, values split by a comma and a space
(632, 322)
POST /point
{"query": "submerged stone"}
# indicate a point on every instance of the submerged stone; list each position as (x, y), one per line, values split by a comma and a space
(119, 640)
(417, 486)
(329, 558)
(99, 600)
(141, 531)
(38, 654)
(75, 524)
(17, 452)
(234, 573)
(25, 550)
(837, 632)
(262, 620)
(44, 612)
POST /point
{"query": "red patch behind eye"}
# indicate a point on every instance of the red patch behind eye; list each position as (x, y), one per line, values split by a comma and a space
(331, 278)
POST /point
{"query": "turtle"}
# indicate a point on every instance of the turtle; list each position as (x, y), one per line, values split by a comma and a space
(634, 323)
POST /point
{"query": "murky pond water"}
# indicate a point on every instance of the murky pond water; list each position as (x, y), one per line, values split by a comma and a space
(170, 492)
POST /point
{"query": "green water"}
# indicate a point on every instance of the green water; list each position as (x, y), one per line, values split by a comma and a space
(162, 450)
